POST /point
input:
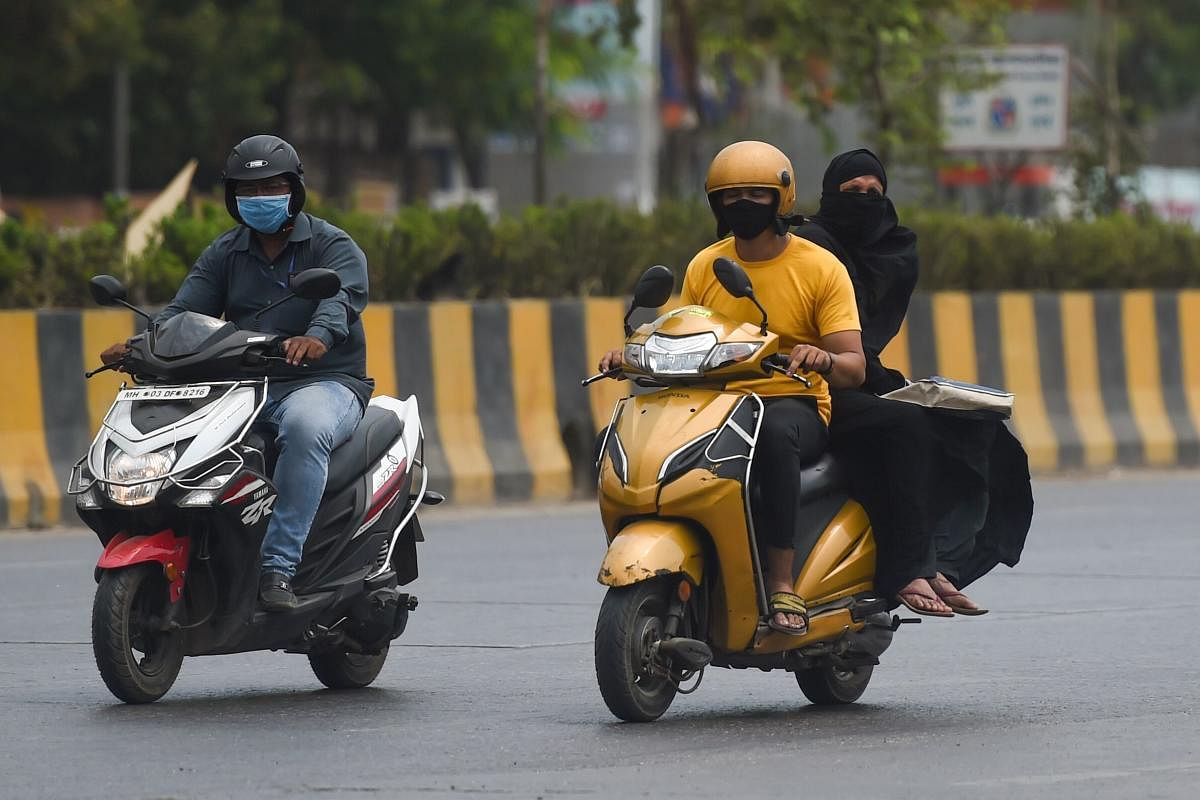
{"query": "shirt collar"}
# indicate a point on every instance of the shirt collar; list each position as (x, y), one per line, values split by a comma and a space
(301, 232)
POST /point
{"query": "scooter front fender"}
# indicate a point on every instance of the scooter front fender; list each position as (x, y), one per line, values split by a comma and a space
(163, 547)
(651, 548)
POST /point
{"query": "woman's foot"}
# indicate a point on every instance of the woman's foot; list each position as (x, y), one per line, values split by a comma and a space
(951, 596)
(920, 598)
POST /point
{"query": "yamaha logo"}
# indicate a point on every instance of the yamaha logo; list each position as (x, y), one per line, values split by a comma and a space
(258, 162)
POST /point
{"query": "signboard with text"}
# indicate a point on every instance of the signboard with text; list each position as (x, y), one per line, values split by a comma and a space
(1023, 108)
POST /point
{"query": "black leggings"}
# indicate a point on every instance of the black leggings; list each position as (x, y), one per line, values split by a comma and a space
(887, 448)
(792, 436)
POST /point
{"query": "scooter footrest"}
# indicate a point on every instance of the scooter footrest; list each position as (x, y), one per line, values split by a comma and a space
(864, 607)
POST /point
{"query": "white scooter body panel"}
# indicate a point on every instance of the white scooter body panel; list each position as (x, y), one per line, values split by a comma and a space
(213, 426)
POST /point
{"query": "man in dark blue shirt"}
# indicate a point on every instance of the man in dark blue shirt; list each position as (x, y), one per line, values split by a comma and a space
(317, 399)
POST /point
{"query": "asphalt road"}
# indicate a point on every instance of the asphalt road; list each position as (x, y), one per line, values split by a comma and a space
(1082, 682)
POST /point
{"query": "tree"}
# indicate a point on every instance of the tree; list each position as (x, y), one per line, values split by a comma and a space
(1145, 63)
(201, 76)
(56, 64)
(888, 57)
(467, 64)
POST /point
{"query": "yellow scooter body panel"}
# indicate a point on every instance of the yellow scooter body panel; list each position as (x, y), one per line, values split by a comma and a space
(649, 548)
(660, 423)
(841, 564)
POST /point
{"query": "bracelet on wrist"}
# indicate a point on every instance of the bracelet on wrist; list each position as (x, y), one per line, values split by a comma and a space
(825, 373)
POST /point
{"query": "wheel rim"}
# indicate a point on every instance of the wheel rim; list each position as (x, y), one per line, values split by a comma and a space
(649, 632)
(843, 676)
(360, 660)
(148, 645)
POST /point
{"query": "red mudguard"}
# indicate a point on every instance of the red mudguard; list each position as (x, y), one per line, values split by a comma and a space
(164, 547)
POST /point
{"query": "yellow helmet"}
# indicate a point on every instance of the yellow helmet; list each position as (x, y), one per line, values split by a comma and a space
(745, 164)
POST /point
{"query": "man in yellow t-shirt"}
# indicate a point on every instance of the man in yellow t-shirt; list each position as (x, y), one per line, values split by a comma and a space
(810, 304)
(807, 296)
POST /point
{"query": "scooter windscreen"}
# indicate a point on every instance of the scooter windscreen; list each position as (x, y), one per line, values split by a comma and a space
(195, 347)
(187, 333)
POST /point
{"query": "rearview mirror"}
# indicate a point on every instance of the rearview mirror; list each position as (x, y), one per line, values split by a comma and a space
(733, 278)
(316, 283)
(735, 281)
(107, 290)
(654, 288)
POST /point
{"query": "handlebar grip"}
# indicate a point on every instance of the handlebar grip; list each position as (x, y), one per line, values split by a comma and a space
(777, 360)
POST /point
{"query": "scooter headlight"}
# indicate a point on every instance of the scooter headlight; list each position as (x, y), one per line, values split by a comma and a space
(731, 353)
(683, 355)
(635, 356)
(126, 468)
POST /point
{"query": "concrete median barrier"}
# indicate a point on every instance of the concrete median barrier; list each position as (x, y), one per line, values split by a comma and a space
(1101, 379)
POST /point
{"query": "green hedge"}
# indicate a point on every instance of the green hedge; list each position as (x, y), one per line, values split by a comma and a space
(596, 248)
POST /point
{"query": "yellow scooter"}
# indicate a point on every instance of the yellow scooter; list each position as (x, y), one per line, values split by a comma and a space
(683, 568)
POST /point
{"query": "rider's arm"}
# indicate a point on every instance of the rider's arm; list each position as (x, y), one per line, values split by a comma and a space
(848, 362)
(839, 359)
(203, 290)
(332, 320)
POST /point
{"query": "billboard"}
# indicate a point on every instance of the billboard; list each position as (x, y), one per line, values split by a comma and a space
(1024, 107)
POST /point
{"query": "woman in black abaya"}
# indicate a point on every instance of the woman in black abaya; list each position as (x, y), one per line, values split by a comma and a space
(971, 476)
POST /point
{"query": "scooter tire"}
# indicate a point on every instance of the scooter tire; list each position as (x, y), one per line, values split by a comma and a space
(342, 670)
(625, 628)
(833, 686)
(137, 665)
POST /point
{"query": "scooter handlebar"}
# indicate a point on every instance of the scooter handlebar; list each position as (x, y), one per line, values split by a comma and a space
(612, 373)
(779, 363)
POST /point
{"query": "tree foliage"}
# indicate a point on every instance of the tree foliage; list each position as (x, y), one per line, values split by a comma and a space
(1145, 66)
(888, 57)
(208, 72)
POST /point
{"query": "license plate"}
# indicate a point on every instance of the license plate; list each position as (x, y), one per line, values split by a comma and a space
(165, 393)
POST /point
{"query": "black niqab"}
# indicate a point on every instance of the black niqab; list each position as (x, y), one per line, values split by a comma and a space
(864, 232)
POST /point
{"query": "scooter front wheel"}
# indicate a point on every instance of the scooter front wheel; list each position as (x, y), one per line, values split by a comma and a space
(631, 620)
(137, 659)
(342, 670)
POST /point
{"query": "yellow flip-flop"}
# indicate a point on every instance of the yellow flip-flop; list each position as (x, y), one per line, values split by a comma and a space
(787, 603)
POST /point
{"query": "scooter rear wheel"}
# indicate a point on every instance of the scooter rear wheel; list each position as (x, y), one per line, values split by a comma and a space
(631, 620)
(833, 686)
(138, 662)
(342, 670)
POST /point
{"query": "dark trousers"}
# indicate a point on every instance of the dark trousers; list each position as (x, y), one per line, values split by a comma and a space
(791, 437)
(887, 447)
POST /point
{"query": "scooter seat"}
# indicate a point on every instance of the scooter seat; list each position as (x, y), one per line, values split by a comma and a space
(821, 478)
(371, 439)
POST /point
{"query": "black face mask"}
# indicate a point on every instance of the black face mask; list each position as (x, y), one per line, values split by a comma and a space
(747, 219)
(857, 217)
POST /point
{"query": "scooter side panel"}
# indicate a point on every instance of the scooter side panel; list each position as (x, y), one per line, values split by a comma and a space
(842, 562)
(653, 426)
(821, 628)
(649, 548)
(717, 505)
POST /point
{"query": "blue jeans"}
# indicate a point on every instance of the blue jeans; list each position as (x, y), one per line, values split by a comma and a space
(308, 424)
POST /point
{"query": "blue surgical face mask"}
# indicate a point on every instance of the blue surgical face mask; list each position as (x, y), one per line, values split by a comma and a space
(265, 214)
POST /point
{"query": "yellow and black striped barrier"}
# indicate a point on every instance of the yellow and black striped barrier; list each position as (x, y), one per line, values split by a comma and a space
(1100, 378)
